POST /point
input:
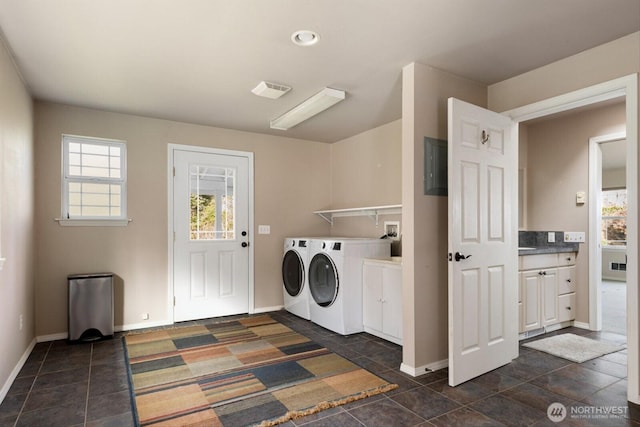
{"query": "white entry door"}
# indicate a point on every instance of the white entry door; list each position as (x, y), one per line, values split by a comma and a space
(211, 234)
(483, 257)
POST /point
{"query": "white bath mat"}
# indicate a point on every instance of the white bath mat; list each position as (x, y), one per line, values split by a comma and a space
(574, 347)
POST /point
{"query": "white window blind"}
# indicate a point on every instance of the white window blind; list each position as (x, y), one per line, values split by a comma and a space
(94, 178)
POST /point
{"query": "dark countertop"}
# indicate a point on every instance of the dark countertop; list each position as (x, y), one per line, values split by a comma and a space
(536, 243)
(555, 249)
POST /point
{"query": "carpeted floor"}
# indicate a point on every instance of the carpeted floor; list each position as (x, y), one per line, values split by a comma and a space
(243, 372)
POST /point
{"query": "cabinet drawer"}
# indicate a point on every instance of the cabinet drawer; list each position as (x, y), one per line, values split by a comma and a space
(567, 307)
(529, 262)
(568, 258)
(566, 280)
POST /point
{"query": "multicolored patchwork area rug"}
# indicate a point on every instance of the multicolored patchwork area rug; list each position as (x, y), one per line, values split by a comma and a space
(251, 371)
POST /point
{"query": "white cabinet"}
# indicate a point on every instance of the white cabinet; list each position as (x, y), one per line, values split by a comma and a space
(382, 299)
(547, 290)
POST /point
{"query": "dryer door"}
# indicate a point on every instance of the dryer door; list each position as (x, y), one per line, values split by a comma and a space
(323, 280)
(292, 273)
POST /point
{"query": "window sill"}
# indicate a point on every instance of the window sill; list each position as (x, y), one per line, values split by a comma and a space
(614, 248)
(93, 222)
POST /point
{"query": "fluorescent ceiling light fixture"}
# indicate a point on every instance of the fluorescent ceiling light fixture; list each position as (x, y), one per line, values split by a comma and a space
(270, 90)
(309, 108)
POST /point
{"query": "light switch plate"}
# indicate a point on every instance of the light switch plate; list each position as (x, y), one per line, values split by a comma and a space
(264, 229)
(551, 236)
(574, 236)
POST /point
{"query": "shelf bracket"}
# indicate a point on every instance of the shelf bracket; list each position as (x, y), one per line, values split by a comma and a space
(328, 218)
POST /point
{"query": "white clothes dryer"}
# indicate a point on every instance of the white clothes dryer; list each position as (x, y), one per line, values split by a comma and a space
(294, 276)
(335, 280)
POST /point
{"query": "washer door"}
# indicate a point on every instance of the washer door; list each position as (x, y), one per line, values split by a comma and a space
(292, 273)
(323, 280)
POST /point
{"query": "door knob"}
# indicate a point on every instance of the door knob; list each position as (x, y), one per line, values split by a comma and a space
(458, 256)
(245, 244)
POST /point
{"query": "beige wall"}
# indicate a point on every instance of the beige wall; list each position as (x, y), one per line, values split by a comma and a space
(614, 178)
(16, 220)
(424, 246)
(603, 63)
(557, 167)
(291, 181)
(367, 171)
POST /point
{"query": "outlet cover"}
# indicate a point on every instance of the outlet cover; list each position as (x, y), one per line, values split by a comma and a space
(551, 237)
(392, 229)
(574, 236)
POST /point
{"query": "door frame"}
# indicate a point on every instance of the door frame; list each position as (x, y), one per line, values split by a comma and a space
(595, 219)
(171, 148)
(627, 87)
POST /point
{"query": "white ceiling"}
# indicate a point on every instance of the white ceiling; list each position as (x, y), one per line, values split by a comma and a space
(197, 60)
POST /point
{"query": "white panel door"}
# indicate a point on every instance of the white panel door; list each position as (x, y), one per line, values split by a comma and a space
(483, 267)
(211, 226)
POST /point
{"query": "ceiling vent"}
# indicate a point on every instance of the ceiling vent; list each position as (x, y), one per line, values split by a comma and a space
(270, 90)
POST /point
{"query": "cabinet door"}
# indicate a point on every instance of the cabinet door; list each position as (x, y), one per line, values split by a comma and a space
(392, 302)
(549, 295)
(531, 300)
(372, 276)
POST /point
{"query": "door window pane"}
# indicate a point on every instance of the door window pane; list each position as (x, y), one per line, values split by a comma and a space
(211, 201)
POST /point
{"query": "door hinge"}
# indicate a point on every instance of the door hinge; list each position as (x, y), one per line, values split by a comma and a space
(174, 171)
(174, 301)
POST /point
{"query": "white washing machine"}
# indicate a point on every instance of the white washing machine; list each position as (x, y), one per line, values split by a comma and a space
(294, 276)
(335, 280)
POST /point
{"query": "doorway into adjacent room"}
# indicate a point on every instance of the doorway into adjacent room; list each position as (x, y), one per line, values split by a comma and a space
(609, 225)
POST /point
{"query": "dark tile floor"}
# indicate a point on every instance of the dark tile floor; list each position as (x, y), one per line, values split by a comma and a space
(86, 385)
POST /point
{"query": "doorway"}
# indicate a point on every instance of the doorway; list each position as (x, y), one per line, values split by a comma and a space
(626, 87)
(607, 213)
(210, 207)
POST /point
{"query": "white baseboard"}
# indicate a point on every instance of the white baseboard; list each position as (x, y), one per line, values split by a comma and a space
(142, 325)
(267, 309)
(421, 370)
(581, 325)
(14, 374)
(52, 337)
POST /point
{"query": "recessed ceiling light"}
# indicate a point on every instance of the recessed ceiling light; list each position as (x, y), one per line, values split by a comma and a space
(305, 38)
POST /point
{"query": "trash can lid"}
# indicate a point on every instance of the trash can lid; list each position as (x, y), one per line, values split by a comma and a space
(88, 276)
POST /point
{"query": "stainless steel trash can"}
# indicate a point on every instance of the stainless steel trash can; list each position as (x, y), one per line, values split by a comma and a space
(90, 306)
